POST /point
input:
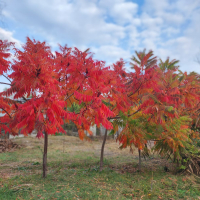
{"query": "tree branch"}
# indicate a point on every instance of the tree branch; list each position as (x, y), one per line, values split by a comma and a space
(71, 94)
(5, 83)
(6, 112)
(135, 90)
(118, 117)
(7, 78)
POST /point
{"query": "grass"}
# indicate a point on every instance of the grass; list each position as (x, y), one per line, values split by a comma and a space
(73, 173)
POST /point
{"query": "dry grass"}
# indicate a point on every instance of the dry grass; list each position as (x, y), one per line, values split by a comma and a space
(60, 149)
(71, 144)
(73, 173)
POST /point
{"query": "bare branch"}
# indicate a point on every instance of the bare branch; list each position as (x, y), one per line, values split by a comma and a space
(6, 112)
(5, 83)
(7, 78)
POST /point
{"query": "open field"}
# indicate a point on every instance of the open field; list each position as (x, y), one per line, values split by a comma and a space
(73, 173)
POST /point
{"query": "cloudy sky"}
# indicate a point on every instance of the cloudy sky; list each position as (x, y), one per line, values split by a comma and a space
(112, 29)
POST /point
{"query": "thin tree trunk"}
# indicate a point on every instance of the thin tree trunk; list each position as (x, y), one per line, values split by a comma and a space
(102, 150)
(139, 151)
(45, 155)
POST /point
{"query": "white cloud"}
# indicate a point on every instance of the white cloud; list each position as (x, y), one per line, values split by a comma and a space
(171, 28)
(111, 53)
(170, 31)
(151, 22)
(8, 35)
(185, 7)
(123, 12)
(80, 22)
(168, 11)
(173, 18)
(134, 37)
(114, 28)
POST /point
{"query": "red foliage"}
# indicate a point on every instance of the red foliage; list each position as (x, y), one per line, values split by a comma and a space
(55, 82)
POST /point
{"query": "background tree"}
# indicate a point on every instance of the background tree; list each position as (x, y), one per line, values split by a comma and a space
(164, 107)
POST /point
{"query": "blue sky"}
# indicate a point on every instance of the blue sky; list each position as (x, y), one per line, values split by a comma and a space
(112, 29)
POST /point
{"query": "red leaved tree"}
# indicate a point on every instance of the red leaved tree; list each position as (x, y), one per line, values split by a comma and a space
(5, 104)
(56, 81)
(166, 104)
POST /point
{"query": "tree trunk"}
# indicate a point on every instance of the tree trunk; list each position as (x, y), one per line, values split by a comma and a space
(102, 150)
(45, 155)
(139, 167)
